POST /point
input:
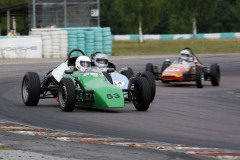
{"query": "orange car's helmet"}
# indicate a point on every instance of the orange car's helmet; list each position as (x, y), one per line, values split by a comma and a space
(185, 55)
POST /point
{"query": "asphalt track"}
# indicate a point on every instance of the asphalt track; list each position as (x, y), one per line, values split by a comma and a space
(180, 113)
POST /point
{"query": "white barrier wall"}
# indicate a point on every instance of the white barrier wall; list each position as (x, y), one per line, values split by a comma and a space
(24, 47)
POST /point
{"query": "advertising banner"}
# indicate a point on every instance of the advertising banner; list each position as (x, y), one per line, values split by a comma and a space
(27, 47)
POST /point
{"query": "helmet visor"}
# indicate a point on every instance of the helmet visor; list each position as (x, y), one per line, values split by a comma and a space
(85, 64)
(102, 61)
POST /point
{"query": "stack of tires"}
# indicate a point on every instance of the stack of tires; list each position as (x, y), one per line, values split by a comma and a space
(63, 44)
(55, 44)
(72, 42)
(107, 41)
(81, 40)
(98, 40)
(35, 34)
(89, 42)
(47, 44)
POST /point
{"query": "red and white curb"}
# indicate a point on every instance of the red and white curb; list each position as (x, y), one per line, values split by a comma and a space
(217, 153)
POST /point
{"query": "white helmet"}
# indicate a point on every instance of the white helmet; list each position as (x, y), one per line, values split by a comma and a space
(184, 55)
(82, 63)
(101, 60)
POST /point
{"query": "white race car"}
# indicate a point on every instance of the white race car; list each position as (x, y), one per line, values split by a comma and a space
(123, 77)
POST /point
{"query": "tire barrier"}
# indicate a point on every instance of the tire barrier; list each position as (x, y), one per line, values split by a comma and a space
(58, 42)
(92, 39)
(107, 40)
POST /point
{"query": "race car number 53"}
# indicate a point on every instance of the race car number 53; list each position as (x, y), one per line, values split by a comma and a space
(114, 95)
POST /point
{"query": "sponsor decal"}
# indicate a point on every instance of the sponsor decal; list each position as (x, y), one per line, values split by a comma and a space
(172, 69)
(118, 83)
(94, 74)
(86, 74)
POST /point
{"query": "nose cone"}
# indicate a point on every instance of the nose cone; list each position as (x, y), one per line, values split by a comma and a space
(108, 97)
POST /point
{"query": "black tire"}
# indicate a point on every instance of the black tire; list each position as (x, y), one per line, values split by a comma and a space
(31, 89)
(128, 73)
(149, 76)
(67, 95)
(108, 76)
(141, 94)
(199, 77)
(215, 74)
(149, 67)
(131, 72)
(165, 65)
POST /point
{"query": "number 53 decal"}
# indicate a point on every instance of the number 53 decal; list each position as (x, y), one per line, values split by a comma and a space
(114, 95)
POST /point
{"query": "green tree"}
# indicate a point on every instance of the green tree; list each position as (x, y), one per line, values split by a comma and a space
(139, 15)
(191, 9)
(110, 18)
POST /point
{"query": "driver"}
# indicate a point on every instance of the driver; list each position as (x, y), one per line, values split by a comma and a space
(184, 55)
(186, 58)
(101, 60)
(82, 63)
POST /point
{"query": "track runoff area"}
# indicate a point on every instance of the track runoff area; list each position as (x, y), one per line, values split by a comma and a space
(66, 136)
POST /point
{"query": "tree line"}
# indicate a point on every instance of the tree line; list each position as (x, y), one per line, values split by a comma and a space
(170, 16)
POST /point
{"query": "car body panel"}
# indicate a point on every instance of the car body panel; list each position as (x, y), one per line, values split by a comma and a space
(58, 71)
(177, 72)
(105, 94)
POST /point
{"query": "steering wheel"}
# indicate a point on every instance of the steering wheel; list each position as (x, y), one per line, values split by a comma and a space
(92, 55)
(72, 62)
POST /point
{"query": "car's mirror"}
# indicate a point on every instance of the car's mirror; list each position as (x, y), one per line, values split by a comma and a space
(69, 72)
(109, 70)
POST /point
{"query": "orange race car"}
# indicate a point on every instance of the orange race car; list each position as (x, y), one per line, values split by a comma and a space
(187, 68)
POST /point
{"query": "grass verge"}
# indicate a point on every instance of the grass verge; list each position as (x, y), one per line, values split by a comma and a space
(164, 47)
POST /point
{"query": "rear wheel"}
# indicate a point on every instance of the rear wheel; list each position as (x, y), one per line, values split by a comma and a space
(67, 95)
(199, 77)
(31, 89)
(215, 74)
(128, 73)
(141, 94)
(149, 76)
(165, 64)
(149, 67)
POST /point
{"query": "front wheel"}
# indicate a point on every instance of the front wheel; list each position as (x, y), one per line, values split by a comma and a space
(67, 95)
(141, 94)
(149, 76)
(199, 77)
(31, 89)
(215, 74)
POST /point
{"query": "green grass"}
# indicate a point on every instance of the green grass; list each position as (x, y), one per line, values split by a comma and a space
(164, 47)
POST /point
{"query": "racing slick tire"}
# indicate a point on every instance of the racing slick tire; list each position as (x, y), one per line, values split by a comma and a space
(141, 94)
(149, 76)
(199, 77)
(128, 73)
(215, 74)
(165, 64)
(31, 89)
(67, 95)
(108, 76)
(149, 67)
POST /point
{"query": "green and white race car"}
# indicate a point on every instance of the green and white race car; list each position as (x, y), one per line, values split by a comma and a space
(90, 87)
